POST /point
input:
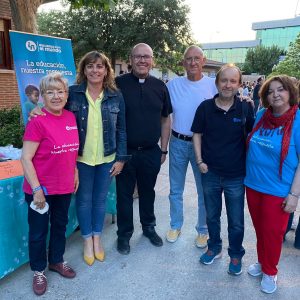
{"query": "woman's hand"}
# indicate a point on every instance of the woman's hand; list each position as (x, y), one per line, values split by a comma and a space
(289, 204)
(76, 181)
(39, 199)
(203, 167)
(36, 112)
(248, 100)
(117, 168)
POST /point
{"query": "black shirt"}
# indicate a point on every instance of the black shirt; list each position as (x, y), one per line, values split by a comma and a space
(223, 135)
(146, 101)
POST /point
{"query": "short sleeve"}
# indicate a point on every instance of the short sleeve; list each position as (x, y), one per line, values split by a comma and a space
(167, 106)
(33, 131)
(198, 122)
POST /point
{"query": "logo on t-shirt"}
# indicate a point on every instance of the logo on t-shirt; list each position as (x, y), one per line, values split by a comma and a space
(71, 127)
(237, 120)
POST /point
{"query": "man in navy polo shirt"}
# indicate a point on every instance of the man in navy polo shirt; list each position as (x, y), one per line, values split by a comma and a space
(220, 127)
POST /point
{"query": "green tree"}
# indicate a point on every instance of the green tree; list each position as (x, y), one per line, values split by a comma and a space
(24, 12)
(261, 59)
(291, 64)
(164, 25)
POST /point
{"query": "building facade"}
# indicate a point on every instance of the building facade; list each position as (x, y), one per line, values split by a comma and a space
(279, 32)
(9, 95)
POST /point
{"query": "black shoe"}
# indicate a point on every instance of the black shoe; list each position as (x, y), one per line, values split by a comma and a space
(154, 238)
(123, 246)
(297, 243)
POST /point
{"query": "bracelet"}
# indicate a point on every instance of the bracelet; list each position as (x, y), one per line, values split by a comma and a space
(295, 195)
(36, 189)
(164, 152)
(198, 163)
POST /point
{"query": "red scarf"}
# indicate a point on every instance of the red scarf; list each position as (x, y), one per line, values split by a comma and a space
(268, 121)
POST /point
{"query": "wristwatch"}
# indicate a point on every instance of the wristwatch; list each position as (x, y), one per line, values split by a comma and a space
(164, 152)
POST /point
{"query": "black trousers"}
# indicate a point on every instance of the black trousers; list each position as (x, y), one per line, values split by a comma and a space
(38, 231)
(142, 169)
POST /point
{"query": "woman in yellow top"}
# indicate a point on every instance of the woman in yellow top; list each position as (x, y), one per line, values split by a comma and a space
(100, 114)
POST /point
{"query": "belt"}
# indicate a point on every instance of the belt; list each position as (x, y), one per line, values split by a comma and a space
(182, 136)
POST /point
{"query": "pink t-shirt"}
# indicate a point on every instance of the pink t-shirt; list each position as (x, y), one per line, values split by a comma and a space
(55, 158)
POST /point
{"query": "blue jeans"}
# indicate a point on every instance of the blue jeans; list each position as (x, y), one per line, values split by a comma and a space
(181, 154)
(91, 196)
(38, 231)
(234, 192)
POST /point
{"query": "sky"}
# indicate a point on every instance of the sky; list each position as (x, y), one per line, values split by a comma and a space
(230, 20)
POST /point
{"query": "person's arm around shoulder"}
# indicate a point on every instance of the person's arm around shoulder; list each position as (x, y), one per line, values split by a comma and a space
(37, 111)
(28, 152)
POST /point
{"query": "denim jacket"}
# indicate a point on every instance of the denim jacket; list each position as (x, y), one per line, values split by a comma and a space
(113, 119)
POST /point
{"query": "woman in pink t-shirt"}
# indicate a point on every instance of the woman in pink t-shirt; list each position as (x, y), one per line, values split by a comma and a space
(49, 161)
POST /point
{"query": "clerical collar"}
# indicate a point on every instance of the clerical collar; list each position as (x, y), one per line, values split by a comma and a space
(141, 80)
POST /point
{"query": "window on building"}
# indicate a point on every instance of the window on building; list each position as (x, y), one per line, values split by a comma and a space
(5, 53)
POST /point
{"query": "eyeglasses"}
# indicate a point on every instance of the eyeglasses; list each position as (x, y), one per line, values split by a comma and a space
(196, 59)
(51, 93)
(140, 57)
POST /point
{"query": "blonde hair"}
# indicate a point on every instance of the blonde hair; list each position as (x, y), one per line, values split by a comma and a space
(51, 81)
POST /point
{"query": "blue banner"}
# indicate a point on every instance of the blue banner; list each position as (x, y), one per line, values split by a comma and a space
(34, 57)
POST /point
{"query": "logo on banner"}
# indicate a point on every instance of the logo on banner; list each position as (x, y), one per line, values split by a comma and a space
(31, 46)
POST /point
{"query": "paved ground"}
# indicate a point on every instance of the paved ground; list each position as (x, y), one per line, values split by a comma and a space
(170, 272)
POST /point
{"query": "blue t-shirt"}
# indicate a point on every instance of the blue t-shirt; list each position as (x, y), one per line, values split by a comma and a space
(263, 159)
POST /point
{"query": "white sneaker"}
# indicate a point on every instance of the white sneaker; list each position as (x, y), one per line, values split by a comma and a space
(268, 283)
(255, 270)
(201, 240)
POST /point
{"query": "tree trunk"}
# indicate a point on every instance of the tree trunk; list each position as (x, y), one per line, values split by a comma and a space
(24, 14)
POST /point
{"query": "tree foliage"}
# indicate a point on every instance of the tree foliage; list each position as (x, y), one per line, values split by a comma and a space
(291, 64)
(164, 25)
(24, 12)
(261, 59)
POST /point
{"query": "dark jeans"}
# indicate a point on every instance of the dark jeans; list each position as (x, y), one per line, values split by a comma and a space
(38, 231)
(234, 191)
(297, 232)
(142, 169)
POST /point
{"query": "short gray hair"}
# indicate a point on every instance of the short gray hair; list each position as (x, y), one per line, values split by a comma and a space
(52, 80)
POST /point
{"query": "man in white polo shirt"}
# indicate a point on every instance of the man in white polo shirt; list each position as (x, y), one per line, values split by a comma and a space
(186, 95)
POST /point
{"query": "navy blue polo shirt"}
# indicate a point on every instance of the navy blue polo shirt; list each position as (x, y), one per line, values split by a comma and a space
(146, 101)
(223, 135)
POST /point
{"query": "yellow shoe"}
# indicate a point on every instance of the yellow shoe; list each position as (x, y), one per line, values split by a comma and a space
(201, 240)
(100, 255)
(89, 259)
(172, 235)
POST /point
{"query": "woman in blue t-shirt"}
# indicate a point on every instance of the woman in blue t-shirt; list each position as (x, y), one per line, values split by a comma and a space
(273, 173)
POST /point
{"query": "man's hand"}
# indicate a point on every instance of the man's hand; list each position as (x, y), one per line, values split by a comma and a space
(117, 168)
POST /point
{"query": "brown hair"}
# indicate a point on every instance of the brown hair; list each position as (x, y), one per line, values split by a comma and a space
(228, 66)
(91, 57)
(287, 84)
